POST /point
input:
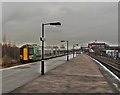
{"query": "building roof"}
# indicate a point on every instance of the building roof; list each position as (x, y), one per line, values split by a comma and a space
(97, 43)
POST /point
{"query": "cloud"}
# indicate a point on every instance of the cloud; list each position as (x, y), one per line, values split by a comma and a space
(81, 22)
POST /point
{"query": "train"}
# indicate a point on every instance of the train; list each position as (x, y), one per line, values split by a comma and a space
(32, 52)
(113, 54)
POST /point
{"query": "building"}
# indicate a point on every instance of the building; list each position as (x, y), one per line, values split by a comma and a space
(98, 45)
(105, 49)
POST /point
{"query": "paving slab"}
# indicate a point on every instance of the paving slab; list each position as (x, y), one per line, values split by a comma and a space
(79, 75)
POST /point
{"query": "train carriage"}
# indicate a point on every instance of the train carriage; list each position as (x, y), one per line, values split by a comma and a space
(29, 53)
(32, 52)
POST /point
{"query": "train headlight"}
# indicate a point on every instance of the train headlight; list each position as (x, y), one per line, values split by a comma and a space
(31, 56)
(21, 56)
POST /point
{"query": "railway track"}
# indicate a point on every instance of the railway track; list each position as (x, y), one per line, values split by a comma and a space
(115, 70)
(109, 63)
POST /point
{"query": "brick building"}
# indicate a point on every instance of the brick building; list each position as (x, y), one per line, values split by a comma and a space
(98, 45)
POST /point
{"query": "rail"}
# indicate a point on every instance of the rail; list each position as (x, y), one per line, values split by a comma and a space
(111, 65)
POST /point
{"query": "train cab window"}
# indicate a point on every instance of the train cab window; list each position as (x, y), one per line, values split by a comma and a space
(31, 51)
(21, 51)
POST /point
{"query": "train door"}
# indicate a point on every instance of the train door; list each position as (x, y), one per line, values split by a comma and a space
(25, 54)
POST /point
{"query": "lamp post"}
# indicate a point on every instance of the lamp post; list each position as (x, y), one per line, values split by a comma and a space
(67, 49)
(43, 39)
(73, 49)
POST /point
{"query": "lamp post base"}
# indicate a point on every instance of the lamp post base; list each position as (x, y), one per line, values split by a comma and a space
(42, 67)
(67, 58)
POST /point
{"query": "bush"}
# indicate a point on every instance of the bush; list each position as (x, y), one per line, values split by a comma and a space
(6, 61)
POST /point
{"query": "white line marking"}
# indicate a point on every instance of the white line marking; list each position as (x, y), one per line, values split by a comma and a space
(25, 64)
(18, 66)
(22, 65)
(105, 68)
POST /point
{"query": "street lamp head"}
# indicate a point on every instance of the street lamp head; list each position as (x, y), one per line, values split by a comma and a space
(62, 41)
(55, 23)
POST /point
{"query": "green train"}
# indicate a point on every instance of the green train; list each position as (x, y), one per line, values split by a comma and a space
(29, 53)
(32, 52)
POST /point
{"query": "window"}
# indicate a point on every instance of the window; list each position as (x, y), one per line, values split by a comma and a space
(31, 51)
(21, 51)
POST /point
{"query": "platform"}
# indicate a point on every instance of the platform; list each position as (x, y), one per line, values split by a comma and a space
(79, 75)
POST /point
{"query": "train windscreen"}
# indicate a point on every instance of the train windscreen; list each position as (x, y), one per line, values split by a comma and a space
(21, 51)
(31, 52)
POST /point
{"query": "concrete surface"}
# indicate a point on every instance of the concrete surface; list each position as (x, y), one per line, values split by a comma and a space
(17, 76)
(79, 75)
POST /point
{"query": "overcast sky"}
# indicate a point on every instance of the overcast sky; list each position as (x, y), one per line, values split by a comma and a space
(81, 22)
